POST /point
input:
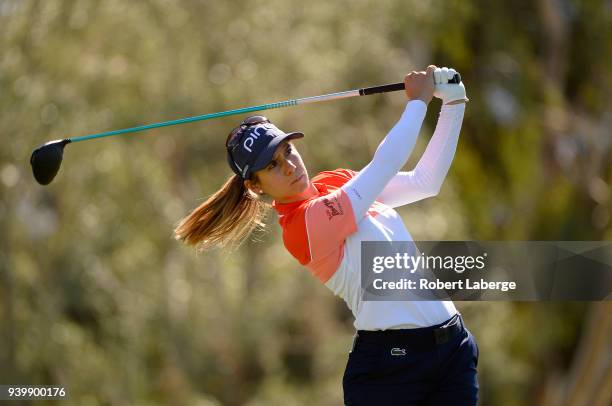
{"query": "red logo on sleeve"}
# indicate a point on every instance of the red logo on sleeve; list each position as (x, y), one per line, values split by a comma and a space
(334, 208)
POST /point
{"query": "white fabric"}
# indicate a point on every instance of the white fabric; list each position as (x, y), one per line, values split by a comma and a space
(380, 180)
(448, 92)
(390, 156)
(426, 179)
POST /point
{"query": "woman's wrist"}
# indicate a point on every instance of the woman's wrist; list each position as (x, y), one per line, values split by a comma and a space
(425, 99)
(460, 101)
(418, 101)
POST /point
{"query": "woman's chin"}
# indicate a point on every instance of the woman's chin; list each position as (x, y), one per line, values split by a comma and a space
(298, 190)
(302, 184)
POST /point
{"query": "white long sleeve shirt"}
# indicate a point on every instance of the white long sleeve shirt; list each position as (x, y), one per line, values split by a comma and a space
(325, 231)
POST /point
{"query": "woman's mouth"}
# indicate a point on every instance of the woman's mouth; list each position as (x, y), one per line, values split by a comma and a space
(298, 179)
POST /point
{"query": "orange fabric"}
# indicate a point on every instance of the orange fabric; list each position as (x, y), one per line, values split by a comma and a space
(314, 229)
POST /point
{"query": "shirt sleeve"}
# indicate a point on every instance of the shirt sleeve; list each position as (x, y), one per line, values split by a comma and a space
(392, 153)
(329, 220)
(315, 233)
(427, 177)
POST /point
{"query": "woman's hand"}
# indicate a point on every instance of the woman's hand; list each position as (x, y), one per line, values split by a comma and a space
(450, 93)
(420, 85)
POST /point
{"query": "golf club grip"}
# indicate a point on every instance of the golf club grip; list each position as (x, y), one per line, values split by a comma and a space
(394, 87)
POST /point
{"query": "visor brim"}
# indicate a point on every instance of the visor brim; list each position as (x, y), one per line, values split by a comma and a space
(267, 154)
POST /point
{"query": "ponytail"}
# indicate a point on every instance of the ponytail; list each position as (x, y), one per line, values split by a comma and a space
(226, 218)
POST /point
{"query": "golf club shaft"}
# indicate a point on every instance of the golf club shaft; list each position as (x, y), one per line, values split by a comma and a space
(393, 87)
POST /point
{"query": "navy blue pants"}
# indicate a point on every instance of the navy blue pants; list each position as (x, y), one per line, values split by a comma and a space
(426, 366)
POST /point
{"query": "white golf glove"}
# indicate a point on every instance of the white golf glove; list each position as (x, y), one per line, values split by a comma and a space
(448, 92)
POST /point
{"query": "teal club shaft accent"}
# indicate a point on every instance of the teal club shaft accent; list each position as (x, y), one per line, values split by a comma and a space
(187, 120)
(288, 103)
(391, 87)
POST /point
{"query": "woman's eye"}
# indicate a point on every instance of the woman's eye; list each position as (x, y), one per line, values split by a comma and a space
(288, 151)
(271, 165)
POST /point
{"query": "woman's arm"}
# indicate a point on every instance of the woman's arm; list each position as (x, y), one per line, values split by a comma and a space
(390, 156)
(427, 177)
(394, 150)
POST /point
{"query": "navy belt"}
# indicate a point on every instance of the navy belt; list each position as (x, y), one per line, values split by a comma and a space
(416, 338)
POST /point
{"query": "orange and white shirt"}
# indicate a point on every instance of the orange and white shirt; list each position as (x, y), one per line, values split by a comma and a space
(324, 232)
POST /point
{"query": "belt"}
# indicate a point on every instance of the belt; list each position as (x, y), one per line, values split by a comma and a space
(417, 338)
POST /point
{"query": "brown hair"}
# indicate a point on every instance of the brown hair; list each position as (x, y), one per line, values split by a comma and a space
(225, 219)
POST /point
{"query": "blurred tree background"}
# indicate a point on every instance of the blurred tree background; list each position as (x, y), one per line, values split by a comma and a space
(96, 295)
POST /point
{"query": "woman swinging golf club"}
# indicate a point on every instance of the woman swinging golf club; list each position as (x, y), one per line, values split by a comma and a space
(405, 352)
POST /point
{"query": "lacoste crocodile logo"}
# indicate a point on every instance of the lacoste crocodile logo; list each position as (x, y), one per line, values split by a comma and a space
(398, 351)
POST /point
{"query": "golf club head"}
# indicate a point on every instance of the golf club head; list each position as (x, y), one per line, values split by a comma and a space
(46, 160)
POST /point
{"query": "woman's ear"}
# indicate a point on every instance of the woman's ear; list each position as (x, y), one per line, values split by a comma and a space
(253, 186)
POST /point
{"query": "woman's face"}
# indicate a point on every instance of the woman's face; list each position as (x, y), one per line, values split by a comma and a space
(285, 179)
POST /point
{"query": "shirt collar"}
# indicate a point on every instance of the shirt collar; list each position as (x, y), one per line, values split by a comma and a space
(284, 208)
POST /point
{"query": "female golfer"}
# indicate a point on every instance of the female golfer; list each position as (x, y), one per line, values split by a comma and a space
(404, 352)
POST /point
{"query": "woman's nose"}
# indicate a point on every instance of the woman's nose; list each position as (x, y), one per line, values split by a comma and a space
(289, 167)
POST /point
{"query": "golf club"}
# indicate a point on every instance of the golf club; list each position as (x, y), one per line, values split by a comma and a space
(47, 158)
